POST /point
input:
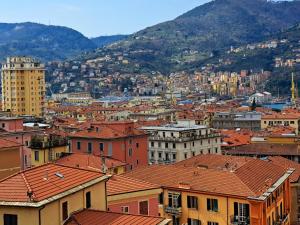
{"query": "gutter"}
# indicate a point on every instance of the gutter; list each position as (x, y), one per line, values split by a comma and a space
(56, 197)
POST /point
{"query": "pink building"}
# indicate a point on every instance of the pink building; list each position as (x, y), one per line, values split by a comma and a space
(132, 196)
(119, 140)
(12, 130)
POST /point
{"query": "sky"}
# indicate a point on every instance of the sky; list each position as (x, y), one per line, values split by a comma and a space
(96, 17)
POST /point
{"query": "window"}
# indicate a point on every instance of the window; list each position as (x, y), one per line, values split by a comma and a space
(161, 198)
(90, 147)
(137, 145)
(78, 145)
(125, 209)
(193, 221)
(184, 145)
(130, 152)
(174, 200)
(3, 125)
(88, 200)
(143, 208)
(101, 147)
(174, 156)
(152, 144)
(192, 202)
(212, 205)
(241, 212)
(36, 156)
(174, 145)
(152, 154)
(185, 155)
(212, 223)
(10, 219)
(159, 155)
(65, 212)
(166, 145)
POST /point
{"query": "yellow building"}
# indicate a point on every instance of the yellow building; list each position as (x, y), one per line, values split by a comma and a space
(222, 190)
(281, 119)
(49, 194)
(46, 149)
(23, 86)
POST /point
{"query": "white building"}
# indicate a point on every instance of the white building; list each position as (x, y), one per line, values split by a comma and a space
(176, 142)
(261, 98)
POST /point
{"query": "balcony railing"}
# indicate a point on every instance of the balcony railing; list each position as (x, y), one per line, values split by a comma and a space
(173, 210)
(283, 221)
(183, 139)
(239, 220)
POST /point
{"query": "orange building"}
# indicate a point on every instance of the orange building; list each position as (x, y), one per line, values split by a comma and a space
(10, 161)
(221, 190)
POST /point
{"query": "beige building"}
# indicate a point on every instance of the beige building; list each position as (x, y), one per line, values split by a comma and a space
(49, 194)
(23, 86)
(176, 142)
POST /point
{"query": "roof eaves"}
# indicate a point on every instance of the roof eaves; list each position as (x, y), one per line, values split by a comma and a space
(56, 197)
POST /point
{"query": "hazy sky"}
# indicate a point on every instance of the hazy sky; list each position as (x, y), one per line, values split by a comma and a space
(96, 17)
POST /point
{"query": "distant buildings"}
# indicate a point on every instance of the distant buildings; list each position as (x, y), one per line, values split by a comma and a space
(235, 120)
(23, 86)
(176, 142)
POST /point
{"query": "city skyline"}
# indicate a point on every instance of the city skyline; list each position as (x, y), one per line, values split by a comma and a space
(96, 18)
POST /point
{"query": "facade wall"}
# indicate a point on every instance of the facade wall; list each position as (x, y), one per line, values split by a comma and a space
(44, 155)
(52, 213)
(132, 150)
(133, 204)
(10, 161)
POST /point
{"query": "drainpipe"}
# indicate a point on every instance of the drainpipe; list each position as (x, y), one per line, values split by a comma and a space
(40, 217)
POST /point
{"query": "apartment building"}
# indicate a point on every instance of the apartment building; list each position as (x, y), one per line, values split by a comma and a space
(49, 194)
(23, 86)
(235, 120)
(221, 190)
(281, 119)
(175, 142)
(118, 140)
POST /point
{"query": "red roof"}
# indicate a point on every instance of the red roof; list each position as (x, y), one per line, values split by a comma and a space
(89, 161)
(122, 184)
(93, 217)
(43, 182)
(224, 175)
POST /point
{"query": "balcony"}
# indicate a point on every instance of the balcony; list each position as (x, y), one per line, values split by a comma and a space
(184, 139)
(173, 210)
(239, 220)
(283, 221)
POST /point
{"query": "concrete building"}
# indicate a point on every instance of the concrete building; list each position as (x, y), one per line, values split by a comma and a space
(176, 142)
(234, 120)
(23, 86)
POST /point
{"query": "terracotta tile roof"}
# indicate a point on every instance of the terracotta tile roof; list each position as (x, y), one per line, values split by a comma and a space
(89, 161)
(119, 184)
(232, 138)
(224, 175)
(8, 144)
(106, 133)
(286, 164)
(93, 217)
(43, 182)
(268, 149)
(282, 116)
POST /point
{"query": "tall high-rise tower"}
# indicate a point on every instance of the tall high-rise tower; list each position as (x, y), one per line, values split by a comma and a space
(23, 86)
